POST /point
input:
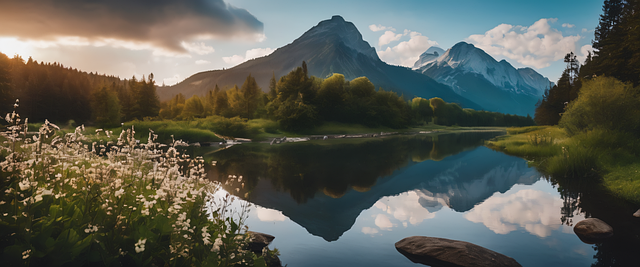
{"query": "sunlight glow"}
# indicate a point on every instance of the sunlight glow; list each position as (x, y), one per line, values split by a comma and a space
(11, 46)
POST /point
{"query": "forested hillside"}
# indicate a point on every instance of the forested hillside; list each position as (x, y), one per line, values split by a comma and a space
(58, 93)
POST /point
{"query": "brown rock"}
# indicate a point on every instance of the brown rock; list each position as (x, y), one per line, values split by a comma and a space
(592, 230)
(637, 214)
(441, 252)
(257, 241)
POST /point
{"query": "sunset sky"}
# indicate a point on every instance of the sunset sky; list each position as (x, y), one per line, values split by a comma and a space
(176, 39)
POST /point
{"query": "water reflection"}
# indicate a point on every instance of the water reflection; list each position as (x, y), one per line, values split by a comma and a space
(535, 211)
(324, 187)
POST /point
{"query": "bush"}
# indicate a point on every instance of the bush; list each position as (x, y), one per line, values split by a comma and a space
(604, 103)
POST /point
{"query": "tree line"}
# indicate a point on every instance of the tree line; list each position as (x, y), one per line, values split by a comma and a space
(616, 54)
(299, 102)
(58, 93)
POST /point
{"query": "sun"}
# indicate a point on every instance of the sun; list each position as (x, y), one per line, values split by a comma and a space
(11, 46)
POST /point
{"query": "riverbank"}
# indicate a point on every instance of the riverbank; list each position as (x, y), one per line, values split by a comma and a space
(606, 157)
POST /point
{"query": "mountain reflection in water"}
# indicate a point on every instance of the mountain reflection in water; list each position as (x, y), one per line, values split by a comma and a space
(325, 186)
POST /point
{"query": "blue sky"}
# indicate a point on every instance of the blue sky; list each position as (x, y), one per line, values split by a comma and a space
(533, 34)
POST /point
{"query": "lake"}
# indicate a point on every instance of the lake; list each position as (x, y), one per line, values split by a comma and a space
(345, 202)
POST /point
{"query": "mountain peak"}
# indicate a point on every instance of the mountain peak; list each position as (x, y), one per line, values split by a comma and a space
(337, 18)
(428, 56)
(337, 30)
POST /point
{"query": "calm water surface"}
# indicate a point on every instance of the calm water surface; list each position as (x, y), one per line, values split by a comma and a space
(346, 202)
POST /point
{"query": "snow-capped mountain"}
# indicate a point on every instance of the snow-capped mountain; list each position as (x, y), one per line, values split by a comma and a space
(332, 46)
(428, 56)
(496, 86)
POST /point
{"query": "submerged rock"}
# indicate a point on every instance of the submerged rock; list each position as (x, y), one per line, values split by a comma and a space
(441, 252)
(592, 230)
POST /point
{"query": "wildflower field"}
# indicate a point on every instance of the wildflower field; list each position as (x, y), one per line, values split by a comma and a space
(67, 202)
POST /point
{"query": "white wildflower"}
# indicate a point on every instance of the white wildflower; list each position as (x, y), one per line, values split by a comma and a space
(26, 254)
(139, 247)
(216, 244)
(24, 185)
(119, 192)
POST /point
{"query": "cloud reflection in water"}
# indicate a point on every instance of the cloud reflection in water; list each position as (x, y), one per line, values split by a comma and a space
(535, 211)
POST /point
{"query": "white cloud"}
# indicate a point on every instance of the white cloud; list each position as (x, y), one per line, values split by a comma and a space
(369, 230)
(584, 30)
(257, 52)
(249, 54)
(567, 25)
(377, 28)
(233, 60)
(388, 37)
(407, 53)
(173, 80)
(269, 215)
(202, 62)
(584, 50)
(383, 222)
(534, 211)
(198, 48)
(537, 45)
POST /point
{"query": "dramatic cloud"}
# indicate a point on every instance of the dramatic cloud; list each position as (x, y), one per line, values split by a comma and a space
(377, 28)
(407, 53)
(537, 45)
(250, 54)
(534, 211)
(198, 48)
(388, 37)
(159, 25)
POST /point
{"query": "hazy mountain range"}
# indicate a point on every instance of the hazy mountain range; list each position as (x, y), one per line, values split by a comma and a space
(463, 74)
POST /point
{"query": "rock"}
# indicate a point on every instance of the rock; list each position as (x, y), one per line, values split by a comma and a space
(592, 230)
(257, 241)
(441, 252)
(637, 214)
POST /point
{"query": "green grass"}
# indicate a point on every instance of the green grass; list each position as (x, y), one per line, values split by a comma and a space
(525, 142)
(610, 155)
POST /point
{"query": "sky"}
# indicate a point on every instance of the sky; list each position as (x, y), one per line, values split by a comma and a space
(179, 38)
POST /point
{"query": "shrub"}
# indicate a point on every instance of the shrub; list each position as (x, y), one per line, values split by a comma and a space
(604, 103)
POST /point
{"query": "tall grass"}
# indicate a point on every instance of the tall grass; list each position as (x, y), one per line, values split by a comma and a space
(63, 202)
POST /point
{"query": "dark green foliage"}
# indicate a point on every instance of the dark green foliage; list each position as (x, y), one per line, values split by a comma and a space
(554, 101)
(604, 103)
(6, 92)
(617, 40)
(145, 99)
(105, 108)
(251, 95)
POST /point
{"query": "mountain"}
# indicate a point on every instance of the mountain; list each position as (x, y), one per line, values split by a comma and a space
(332, 46)
(460, 182)
(474, 74)
(431, 54)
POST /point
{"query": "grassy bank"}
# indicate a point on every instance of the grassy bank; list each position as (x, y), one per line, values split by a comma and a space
(607, 157)
(216, 128)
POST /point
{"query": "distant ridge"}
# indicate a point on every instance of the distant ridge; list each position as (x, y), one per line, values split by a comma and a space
(332, 46)
(474, 74)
